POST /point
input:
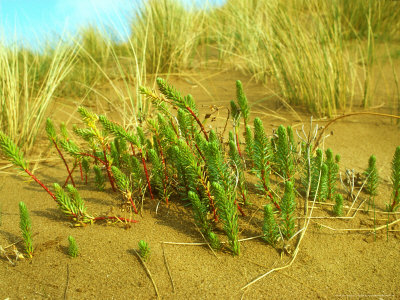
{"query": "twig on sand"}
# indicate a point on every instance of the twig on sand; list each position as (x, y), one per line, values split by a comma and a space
(148, 273)
(360, 229)
(66, 284)
(167, 266)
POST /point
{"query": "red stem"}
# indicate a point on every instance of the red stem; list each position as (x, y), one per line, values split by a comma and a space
(80, 167)
(133, 205)
(65, 163)
(146, 173)
(237, 144)
(69, 176)
(240, 209)
(41, 184)
(198, 122)
(115, 218)
(110, 178)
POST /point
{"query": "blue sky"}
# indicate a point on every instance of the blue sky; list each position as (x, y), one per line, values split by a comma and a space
(33, 21)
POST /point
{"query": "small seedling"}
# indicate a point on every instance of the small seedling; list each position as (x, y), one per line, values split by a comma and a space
(372, 177)
(395, 181)
(144, 250)
(338, 207)
(26, 228)
(73, 250)
(270, 227)
(288, 206)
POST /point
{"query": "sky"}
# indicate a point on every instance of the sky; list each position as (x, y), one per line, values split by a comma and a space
(31, 22)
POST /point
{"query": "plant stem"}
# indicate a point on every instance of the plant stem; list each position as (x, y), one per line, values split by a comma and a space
(146, 173)
(115, 218)
(65, 163)
(40, 183)
(110, 178)
(198, 122)
(70, 176)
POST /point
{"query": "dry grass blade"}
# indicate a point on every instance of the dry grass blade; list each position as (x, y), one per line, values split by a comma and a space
(168, 270)
(148, 273)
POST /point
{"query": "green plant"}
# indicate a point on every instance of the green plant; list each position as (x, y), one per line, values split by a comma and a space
(73, 249)
(144, 250)
(283, 153)
(395, 199)
(372, 177)
(288, 207)
(270, 227)
(25, 225)
(333, 171)
(338, 207)
(261, 159)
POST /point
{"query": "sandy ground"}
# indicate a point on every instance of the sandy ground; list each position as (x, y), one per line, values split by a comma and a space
(330, 264)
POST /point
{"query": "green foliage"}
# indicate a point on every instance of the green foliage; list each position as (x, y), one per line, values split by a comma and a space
(51, 131)
(261, 155)
(122, 181)
(288, 206)
(283, 155)
(71, 204)
(395, 199)
(316, 170)
(144, 250)
(200, 212)
(73, 250)
(338, 207)
(99, 178)
(372, 175)
(242, 101)
(159, 175)
(238, 167)
(270, 227)
(12, 152)
(333, 171)
(85, 166)
(324, 183)
(249, 143)
(227, 211)
(25, 225)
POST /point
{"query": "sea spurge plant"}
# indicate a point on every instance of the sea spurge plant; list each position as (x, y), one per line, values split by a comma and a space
(200, 213)
(25, 225)
(227, 211)
(242, 101)
(99, 178)
(73, 250)
(12, 152)
(371, 173)
(288, 206)
(261, 159)
(144, 250)
(71, 204)
(338, 207)
(160, 175)
(124, 185)
(16, 157)
(238, 166)
(283, 155)
(395, 199)
(270, 227)
(333, 171)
